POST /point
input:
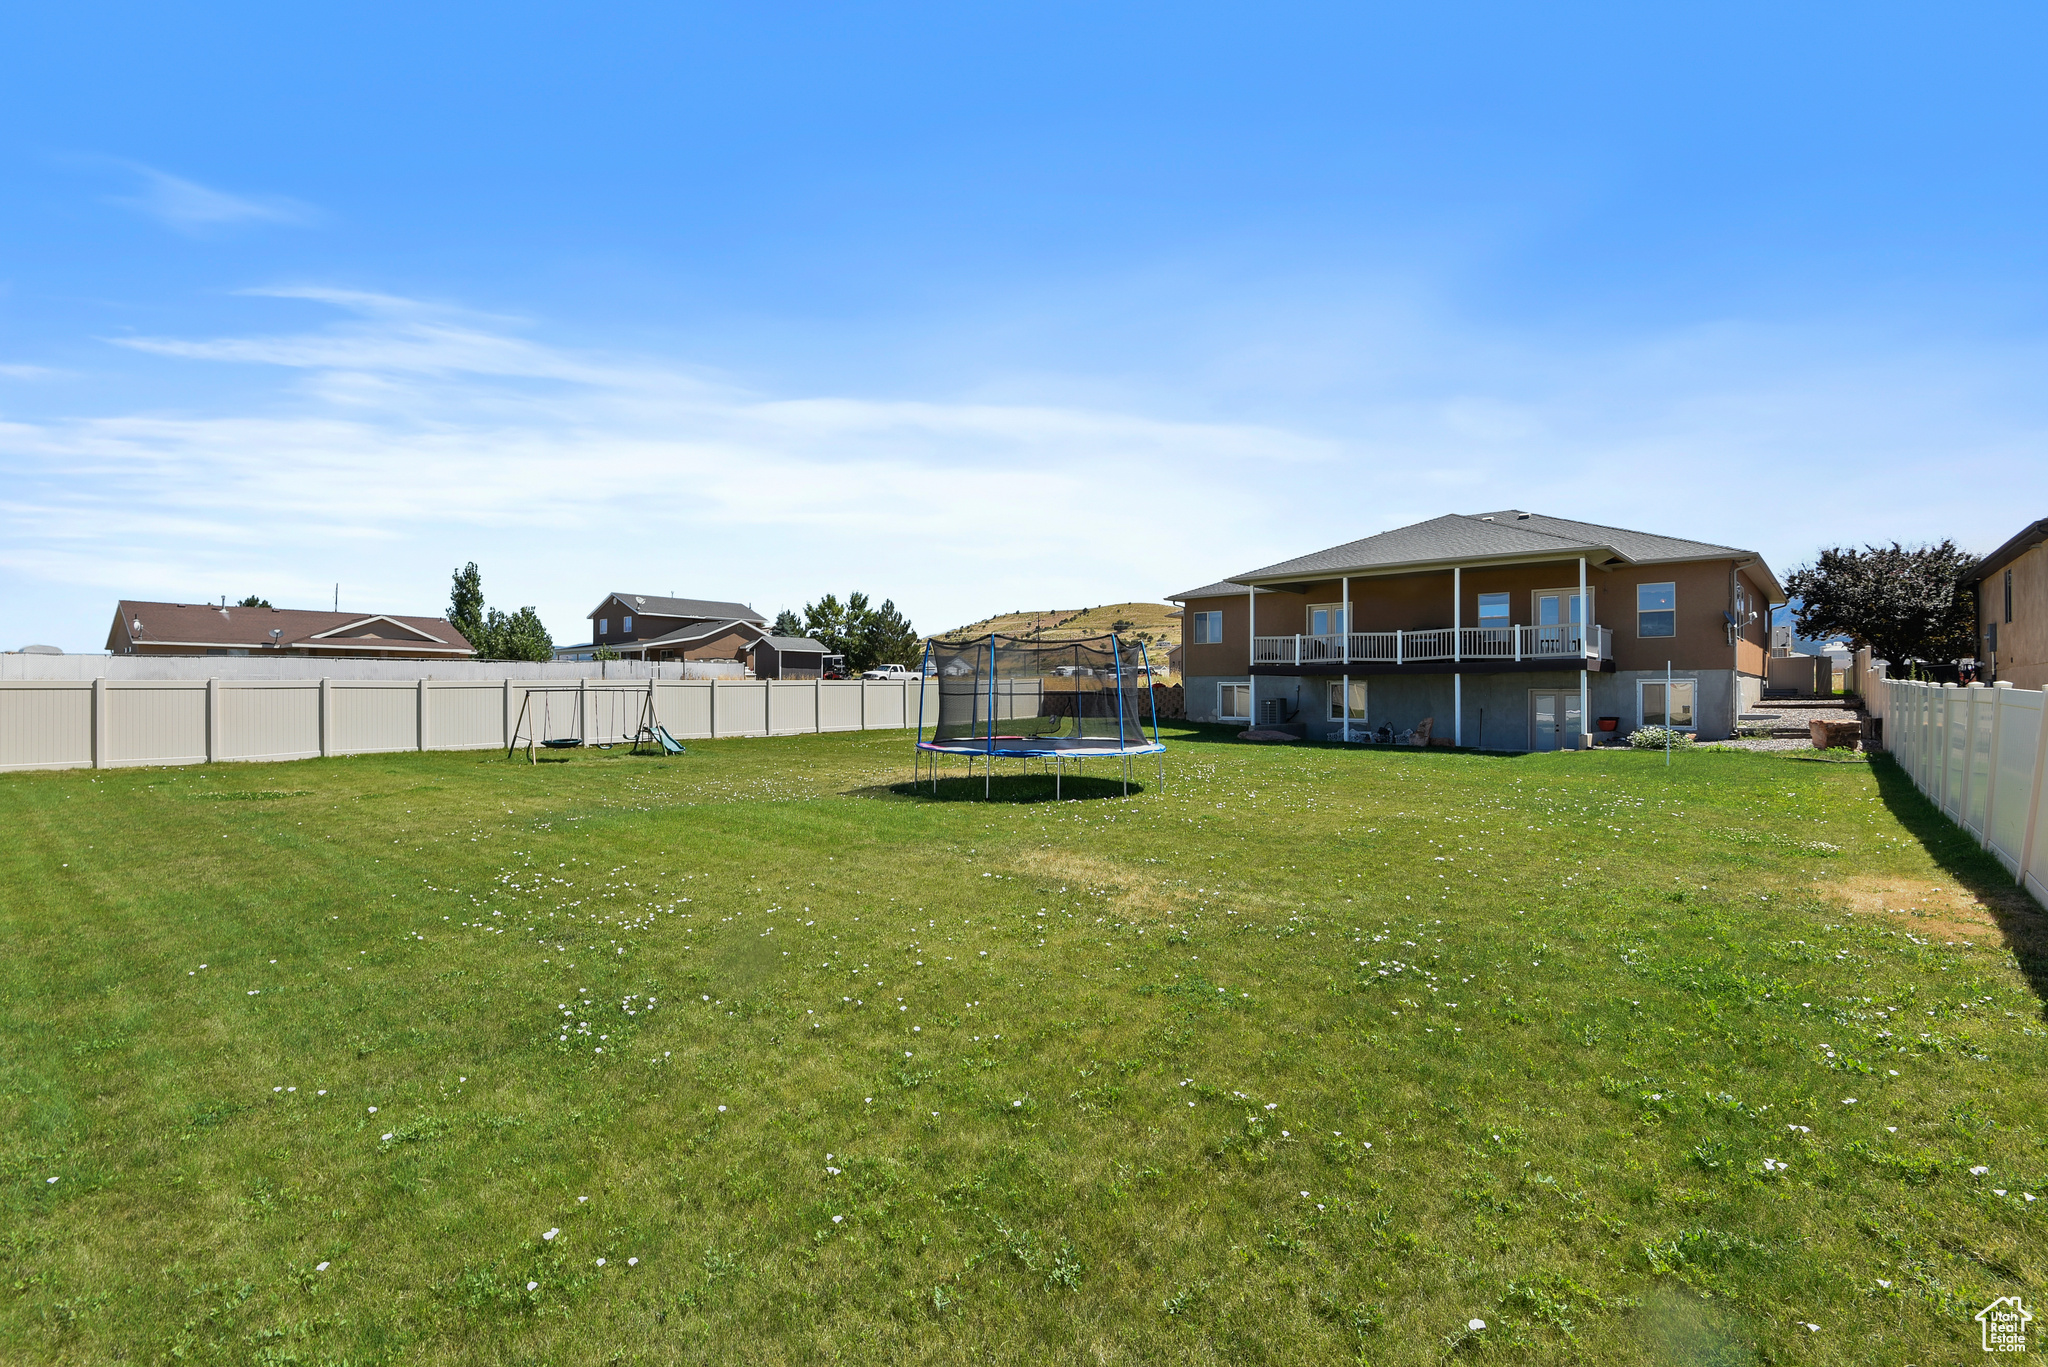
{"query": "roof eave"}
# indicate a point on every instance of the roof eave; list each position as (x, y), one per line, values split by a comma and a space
(1279, 574)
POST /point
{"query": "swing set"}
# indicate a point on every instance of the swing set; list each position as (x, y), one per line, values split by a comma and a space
(536, 726)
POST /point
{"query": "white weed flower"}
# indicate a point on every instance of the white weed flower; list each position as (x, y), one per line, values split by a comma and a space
(1475, 1324)
(533, 1286)
(551, 1234)
(600, 1262)
(321, 1267)
(632, 1262)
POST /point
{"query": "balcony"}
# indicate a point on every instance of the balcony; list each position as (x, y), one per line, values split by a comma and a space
(1572, 646)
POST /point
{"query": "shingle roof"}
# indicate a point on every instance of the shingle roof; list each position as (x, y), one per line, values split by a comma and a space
(696, 631)
(1507, 534)
(1220, 590)
(700, 608)
(210, 626)
(798, 643)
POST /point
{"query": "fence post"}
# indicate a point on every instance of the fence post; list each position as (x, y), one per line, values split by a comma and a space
(714, 707)
(420, 726)
(2034, 797)
(863, 704)
(506, 721)
(212, 720)
(818, 702)
(326, 717)
(583, 707)
(99, 722)
(1998, 692)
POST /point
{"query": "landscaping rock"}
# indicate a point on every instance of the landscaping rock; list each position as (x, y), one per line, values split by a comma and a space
(1260, 735)
(1833, 734)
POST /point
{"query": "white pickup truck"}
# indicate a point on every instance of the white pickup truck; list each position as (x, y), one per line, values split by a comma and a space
(889, 672)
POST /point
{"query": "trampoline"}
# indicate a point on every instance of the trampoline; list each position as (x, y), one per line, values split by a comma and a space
(1058, 702)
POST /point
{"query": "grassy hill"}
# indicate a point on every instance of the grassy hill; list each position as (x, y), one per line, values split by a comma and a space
(1147, 622)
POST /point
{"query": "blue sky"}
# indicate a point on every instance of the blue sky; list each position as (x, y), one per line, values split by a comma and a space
(988, 307)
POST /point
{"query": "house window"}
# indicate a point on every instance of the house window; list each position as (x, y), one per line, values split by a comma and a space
(1326, 619)
(1493, 609)
(604, 625)
(1656, 609)
(2008, 595)
(628, 627)
(1653, 707)
(1991, 639)
(1208, 628)
(1337, 701)
(1234, 701)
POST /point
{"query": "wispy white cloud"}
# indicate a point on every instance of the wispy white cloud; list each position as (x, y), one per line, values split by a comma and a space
(436, 435)
(403, 437)
(195, 209)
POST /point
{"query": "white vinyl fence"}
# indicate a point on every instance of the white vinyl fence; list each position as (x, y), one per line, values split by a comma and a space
(111, 723)
(1980, 754)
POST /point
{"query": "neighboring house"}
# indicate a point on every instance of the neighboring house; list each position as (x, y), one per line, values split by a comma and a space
(2012, 610)
(789, 657)
(646, 627)
(209, 629)
(1475, 622)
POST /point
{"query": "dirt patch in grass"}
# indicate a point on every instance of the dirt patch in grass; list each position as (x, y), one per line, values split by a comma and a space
(1128, 893)
(1938, 907)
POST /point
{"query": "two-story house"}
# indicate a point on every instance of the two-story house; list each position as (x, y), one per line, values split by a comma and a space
(645, 626)
(2012, 610)
(1507, 630)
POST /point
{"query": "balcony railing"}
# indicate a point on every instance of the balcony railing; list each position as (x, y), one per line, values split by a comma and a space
(1477, 644)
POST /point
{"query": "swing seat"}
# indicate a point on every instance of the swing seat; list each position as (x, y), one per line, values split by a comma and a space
(563, 743)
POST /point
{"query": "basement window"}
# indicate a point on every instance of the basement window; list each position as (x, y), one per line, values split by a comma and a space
(1234, 702)
(1652, 708)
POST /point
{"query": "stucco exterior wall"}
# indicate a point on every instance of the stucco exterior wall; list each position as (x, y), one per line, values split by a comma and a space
(2022, 655)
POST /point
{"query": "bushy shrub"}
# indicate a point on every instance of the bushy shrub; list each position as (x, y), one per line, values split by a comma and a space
(1654, 738)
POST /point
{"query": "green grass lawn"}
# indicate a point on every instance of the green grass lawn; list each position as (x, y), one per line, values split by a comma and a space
(1315, 1056)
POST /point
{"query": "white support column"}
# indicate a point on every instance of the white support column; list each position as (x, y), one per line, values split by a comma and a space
(212, 721)
(1457, 615)
(1348, 629)
(1457, 709)
(1251, 652)
(1347, 692)
(420, 724)
(327, 717)
(99, 723)
(1586, 625)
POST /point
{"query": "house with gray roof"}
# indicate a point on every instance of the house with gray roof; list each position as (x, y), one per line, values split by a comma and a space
(646, 626)
(1504, 630)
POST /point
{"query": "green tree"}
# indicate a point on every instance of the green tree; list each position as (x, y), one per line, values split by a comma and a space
(826, 623)
(521, 636)
(886, 637)
(787, 623)
(252, 601)
(466, 605)
(1906, 604)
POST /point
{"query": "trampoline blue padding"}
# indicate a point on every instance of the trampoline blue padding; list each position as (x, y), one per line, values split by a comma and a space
(1041, 747)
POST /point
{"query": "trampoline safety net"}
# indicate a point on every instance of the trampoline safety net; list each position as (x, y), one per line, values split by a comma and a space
(1009, 696)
